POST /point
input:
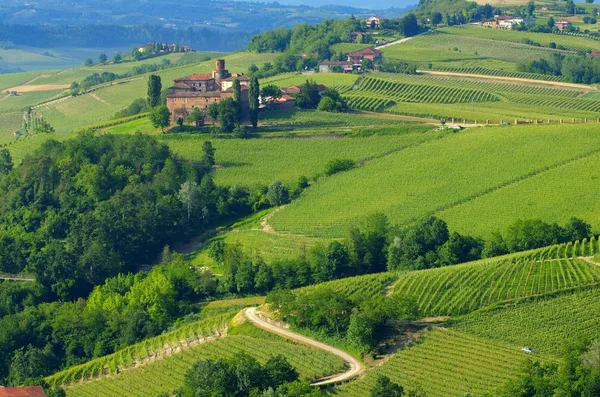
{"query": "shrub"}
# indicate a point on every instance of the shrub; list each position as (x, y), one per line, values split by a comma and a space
(338, 165)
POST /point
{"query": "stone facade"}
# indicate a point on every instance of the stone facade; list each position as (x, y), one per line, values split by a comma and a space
(202, 90)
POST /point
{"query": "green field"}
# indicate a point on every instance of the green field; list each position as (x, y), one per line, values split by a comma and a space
(166, 374)
(439, 175)
(262, 161)
(446, 363)
(548, 325)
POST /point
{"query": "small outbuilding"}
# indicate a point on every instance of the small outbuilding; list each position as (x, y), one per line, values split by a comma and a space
(29, 391)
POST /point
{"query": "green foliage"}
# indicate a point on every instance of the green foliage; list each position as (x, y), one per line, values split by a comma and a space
(338, 165)
(160, 117)
(196, 117)
(309, 97)
(154, 89)
(253, 96)
(277, 194)
(228, 115)
(6, 163)
(384, 387)
(332, 101)
(138, 106)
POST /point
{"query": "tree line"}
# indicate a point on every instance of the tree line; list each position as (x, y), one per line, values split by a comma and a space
(575, 69)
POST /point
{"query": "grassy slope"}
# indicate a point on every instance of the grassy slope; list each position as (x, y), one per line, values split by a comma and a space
(438, 176)
(262, 161)
(77, 112)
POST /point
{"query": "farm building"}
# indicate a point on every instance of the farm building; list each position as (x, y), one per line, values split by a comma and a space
(29, 391)
(562, 24)
(332, 66)
(368, 53)
(296, 89)
(373, 22)
(201, 90)
(507, 21)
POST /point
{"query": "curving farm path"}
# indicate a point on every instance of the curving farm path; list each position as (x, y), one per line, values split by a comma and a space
(355, 366)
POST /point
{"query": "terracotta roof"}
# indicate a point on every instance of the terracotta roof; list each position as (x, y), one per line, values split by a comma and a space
(30, 391)
(240, 78)
(365, 51)
(320, 87)
(194, 94)
(286, 97)
(197, 77)
(335, 63)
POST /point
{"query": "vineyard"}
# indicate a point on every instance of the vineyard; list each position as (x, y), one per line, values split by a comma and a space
(130, 356)
(422, 93)
(461, 289)
(570, 42)
(500, 73)
(548, 325)
(166, 374)
(586, 105)
(542, 197)
(446, 363)
(434, 177)
(496, 87)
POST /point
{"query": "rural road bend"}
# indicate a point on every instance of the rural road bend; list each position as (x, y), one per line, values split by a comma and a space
(355, 366)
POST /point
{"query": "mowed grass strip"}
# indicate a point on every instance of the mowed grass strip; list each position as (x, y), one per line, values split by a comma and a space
(446, 363)
(436, 176)
(167, 374)
(548, 326)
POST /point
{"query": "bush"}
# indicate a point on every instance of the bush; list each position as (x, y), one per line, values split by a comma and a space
(338, 165)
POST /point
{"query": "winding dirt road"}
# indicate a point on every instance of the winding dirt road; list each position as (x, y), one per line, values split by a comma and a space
(355, 366)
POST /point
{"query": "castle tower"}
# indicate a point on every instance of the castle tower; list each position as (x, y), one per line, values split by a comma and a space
(220, 72)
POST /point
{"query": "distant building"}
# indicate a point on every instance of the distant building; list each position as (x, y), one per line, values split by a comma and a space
(373, 22)
(285, 102)
(202, 90)
(29, 391)
(296, 89)
(562, 24)
(331, 66)
(507, 21)
(368, 53)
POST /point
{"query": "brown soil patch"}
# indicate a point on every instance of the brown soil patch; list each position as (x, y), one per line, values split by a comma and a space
(34, 88)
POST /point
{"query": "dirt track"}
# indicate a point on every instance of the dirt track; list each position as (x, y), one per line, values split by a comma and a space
(355, 366)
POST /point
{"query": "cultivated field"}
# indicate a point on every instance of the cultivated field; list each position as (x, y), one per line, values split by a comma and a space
(262, 161)
(166, 374)
(461, 289)
(442, 174)
(446, 363)
(549, 326)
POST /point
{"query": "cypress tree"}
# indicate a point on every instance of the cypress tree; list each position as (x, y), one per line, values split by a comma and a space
(154, 89)
(253, 94)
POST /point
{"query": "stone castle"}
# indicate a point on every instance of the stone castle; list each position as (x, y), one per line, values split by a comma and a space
(201, 90)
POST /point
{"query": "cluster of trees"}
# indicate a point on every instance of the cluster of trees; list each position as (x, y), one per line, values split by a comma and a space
(577, 375)
(37, 339)
(243, 376)
(384, 387)
(428, 243)
(391, 66)
(98, 36)
(80, 211)
(454, 12)
(575, 69)
(357, 322)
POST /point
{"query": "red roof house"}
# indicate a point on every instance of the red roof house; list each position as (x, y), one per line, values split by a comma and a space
(29, 391)
(368, 53)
